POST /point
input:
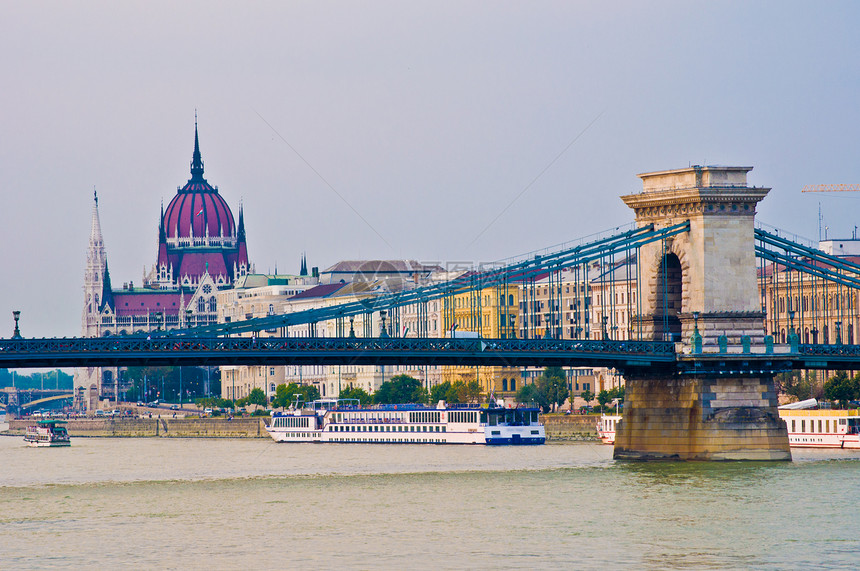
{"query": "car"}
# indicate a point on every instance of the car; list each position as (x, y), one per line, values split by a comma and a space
(140, 403)
(100, 413)
(174, 407)
(207, 411)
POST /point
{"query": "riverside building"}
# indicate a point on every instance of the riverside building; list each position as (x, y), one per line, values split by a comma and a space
(345, 282)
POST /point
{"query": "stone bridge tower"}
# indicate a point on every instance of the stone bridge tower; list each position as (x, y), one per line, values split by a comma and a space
(703, 278)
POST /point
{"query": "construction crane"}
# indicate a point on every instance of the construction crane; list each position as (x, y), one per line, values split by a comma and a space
(831, 188)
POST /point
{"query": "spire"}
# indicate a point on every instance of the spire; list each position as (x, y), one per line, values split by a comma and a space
(95, 227)
(196, 160)
(304, 270)
(241, 232)
(107, 292)
(162, 233)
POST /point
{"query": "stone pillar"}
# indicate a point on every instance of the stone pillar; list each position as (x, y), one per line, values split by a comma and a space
(701, 418)
(713, 269)
(709, 271)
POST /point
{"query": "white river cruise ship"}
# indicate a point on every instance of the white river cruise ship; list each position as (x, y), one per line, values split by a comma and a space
(344, 421)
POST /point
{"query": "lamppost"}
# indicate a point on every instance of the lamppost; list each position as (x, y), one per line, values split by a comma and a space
(697, 337)
(17, 333)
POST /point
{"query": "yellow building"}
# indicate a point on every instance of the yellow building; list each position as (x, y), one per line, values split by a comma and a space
(491, 313)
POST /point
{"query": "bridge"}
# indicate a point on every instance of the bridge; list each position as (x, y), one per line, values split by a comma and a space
(626, 356)
(708, 332)
(17, 399)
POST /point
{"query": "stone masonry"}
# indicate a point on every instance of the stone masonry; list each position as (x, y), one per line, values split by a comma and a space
(705, 277)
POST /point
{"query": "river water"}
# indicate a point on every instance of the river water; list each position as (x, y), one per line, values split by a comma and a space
(193, 503)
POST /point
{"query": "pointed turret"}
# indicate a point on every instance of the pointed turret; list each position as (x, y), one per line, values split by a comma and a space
(94, 276)
(196, 159)
(107, 292)
(242, 256)
(304, 269)
(241, 231)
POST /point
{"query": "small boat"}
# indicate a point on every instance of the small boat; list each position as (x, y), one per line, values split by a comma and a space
(47, 433)
(606, 426)
(345, 421)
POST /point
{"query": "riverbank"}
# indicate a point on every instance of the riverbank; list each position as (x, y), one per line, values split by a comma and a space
(254, 427)
(559, 427)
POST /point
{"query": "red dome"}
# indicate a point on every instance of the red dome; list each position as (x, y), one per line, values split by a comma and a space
(196, 208)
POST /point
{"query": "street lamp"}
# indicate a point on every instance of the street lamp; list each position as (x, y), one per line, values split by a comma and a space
(17, 333)
(384, 332)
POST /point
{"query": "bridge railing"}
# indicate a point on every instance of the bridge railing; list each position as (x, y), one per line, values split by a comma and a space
(829, 350)
(104, 345)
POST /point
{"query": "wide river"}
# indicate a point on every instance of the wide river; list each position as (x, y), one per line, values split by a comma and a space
(252, 504)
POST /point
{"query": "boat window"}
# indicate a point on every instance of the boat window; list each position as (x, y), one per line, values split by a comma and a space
(803, 426)
(494, 420)
(792, 425)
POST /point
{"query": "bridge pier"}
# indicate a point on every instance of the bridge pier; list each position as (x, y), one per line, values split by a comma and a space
(704, 279)
(701, 418)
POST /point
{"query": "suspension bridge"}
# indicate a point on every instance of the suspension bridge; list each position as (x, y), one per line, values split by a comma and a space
(711, 301)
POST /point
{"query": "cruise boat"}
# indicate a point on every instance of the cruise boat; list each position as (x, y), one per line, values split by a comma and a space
(47, 433)
(344, 420)
(807, 428)
(821, 428)
(606, 426)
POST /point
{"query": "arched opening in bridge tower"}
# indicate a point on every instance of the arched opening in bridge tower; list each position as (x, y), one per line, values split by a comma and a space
(668, 308)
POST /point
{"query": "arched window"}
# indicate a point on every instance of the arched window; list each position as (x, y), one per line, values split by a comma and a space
(201, 305)
(504, 384)
(213, 305)
(513, 384)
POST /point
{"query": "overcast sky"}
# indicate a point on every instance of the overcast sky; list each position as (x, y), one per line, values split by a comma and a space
(439, 131)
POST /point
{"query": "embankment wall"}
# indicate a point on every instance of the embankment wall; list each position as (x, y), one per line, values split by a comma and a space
(570, 427)
(159, 427)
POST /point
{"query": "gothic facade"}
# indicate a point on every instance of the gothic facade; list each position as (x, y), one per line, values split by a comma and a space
(201, 250)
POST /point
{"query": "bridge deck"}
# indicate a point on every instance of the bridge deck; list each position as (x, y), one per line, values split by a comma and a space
(622, 355)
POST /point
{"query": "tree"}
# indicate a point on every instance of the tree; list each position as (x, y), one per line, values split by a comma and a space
(603, 398)
(440, 392)
(841, 388)
(552, 388)
(258, 397)
(356, 393)
(527, 394)
(587, 396)
(469, 392)
(285, 395)
(401, 389)
(795, 384)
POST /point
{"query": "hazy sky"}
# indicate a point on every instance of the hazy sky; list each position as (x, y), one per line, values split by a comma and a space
(428, 118)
